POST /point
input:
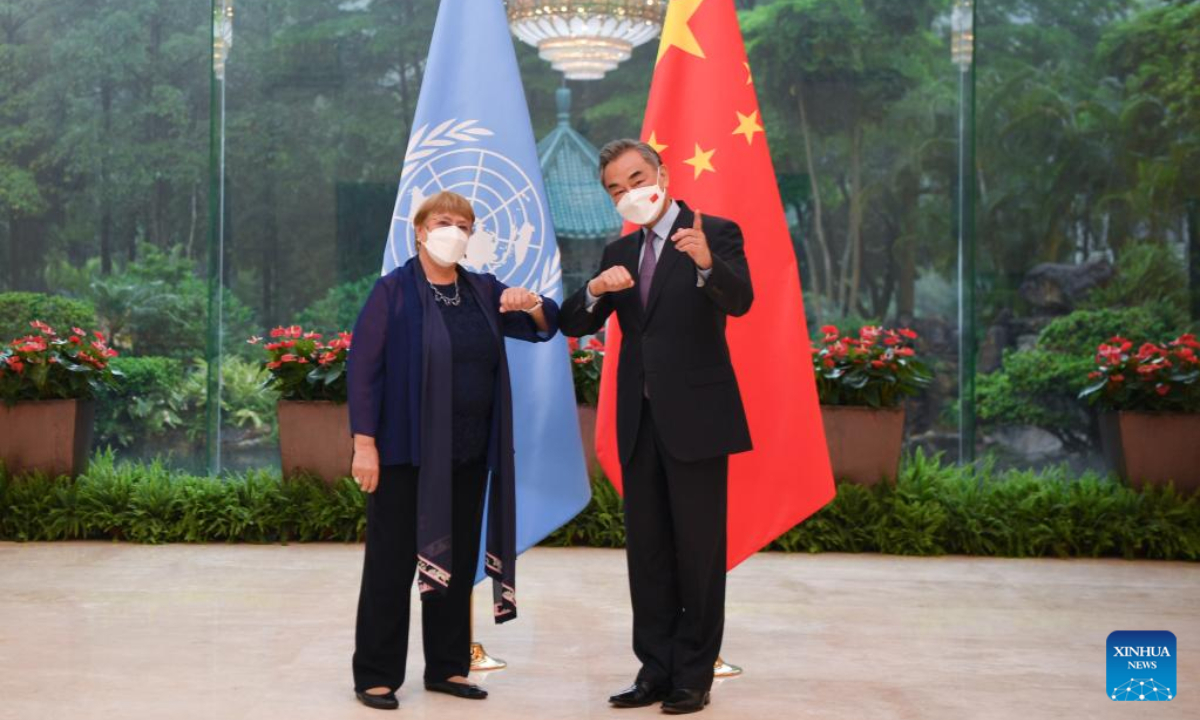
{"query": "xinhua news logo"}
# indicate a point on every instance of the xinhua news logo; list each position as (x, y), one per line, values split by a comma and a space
(1141, 666)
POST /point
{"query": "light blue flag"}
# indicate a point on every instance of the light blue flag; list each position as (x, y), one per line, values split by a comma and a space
(472, 135)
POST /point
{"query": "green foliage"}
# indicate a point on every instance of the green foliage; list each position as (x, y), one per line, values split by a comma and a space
(338, 309)
(1040, 386)
(148, 405)
(244, 405)
(18, 309)
(1079, 333)
(150, 503)
(158, 306)
(1147, 275)
(934, 508)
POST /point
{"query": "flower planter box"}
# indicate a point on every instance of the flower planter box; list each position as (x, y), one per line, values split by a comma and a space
(314, 438)
(864, 443)
(48, 436)
(587, 429)
(1153, 448)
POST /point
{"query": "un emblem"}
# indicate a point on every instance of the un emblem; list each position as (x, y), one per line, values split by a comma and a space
(511, 235)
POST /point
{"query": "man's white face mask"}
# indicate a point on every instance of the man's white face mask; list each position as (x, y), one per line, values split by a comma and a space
(446, 245)
(641, 205)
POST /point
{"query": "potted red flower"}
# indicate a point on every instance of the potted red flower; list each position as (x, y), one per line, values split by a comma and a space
(862, 382)
(310, 376)
(587, 360)
(1150, 409)
(47, 382)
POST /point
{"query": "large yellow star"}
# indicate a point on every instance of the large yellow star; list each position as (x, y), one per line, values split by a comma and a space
(701, 161)
(654, 143)
(676, 33)
(748, 125)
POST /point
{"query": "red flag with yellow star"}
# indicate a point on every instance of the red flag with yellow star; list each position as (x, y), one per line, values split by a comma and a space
(703, 117)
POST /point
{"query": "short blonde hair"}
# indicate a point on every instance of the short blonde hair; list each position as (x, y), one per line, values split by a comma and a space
(444, 202)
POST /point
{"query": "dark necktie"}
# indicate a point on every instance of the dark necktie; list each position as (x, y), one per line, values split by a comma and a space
(646, 273)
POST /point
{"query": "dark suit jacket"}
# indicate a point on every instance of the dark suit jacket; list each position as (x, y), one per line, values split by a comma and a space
(676, 345)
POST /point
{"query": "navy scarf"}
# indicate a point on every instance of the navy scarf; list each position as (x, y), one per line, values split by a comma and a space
(434, 550)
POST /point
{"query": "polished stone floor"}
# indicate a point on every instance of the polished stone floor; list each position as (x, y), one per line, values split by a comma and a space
(99, 630)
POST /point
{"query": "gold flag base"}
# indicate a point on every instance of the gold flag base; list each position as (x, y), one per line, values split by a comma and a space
(722, 669)
(481, 661)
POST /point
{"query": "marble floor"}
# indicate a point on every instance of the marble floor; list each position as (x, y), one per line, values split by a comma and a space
(99, 630)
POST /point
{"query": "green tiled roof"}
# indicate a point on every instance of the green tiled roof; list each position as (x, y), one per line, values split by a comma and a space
(578, 204)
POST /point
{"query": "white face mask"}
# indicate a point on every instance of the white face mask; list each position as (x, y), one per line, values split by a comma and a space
(446, 245)
(641, 205)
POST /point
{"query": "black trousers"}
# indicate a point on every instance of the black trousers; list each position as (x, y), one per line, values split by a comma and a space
(381, 636)
(675, 524)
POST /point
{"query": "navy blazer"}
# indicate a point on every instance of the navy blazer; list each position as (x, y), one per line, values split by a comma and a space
(383, 368)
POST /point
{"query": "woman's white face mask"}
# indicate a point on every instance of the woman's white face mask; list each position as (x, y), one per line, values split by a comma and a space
(446, 245)
(641, 205)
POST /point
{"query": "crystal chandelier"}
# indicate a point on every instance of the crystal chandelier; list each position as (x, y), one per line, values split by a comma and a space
(584, 39)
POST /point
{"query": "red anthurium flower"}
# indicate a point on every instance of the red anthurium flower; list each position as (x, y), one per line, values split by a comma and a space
(312, 336)
(572, 344)
(277, 332)
(78, 331)
(877, 364)
(905, 352)
(75, 339)
(295, 331)
(908, 333)
(1117, 378)
(595, 344)
(1162, 389)
(829, 329)
(289, 357)
(273, 365)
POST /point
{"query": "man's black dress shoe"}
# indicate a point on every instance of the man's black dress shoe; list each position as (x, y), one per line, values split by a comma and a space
(682, 701)
(640, 694)
(457, 689)
(379, 702)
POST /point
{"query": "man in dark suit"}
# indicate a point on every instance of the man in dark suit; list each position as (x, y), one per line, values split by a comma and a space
(672, 284)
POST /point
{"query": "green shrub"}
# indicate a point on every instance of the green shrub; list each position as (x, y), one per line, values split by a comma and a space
(18, 309)
(157, 305)
(245, 404)
(149, 404)
(1040, 386)
(1147, 273)
(932, 509)
(338, 309)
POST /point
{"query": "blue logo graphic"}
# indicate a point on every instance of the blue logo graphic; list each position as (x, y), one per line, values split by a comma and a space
(1141, 665)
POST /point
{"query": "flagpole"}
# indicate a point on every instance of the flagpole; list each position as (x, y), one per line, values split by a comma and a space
(480, 660)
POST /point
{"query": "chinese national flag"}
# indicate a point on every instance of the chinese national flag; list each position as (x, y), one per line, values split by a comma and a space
(703, 117)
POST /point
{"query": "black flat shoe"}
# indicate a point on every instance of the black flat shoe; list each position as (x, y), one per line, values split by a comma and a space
(682, 701)
(467, 691)
(640, 694)
(379, 702)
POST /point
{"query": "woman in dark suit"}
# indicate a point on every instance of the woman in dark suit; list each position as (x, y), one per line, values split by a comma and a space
(431, 414)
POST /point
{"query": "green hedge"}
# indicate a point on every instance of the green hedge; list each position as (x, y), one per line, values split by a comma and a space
(933, 509)
(17, 309)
